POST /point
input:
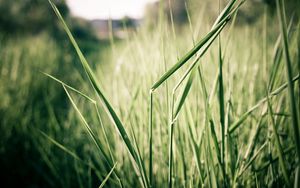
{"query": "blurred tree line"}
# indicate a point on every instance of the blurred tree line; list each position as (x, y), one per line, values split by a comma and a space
(29, 16)
(32, 17)
(249, 13)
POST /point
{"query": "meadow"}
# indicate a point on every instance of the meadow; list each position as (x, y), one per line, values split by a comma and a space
(213, 103)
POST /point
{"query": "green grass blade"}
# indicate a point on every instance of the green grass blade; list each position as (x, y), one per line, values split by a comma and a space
(277, 57)
(63, 148)
(274, 159)
(135, 95)
(195, 62)
(243, 117)
(150, 137)
(87, 127)
(196, 152)
(89, 99)
(141, 162)
(252, 159)
(99, 92)
(225, 12)
(221, 103)
(71, 88)
(214, 88)
(210, 124)
(186, 57)
(72, 154)
(108, 175)
(253, 140)
(289, 73)
(174, 115)
(170, 175)
(104, 133)
(184, 94)
(277, 143)
(216, 29)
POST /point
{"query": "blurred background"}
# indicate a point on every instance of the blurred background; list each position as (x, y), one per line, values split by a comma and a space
(33, 41)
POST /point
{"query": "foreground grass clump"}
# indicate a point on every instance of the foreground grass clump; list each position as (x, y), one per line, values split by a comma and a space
(224, 115)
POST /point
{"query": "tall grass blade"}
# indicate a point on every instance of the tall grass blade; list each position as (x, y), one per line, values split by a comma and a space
(277, 143)
(210, 124)
(278, 51)
(99, 92)
(184, 94)
(170, 175)
(196, 152)
(89, 130)
(221, 104)
(150, 138)
(289, 73)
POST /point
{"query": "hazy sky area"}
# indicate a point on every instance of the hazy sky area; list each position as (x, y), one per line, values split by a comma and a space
(103, 9)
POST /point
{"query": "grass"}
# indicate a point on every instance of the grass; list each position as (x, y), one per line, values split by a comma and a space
(211, 134)
(220, 113)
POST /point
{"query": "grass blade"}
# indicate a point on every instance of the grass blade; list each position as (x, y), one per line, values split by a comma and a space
(99, 92)
(184, 94)
(289, 73)
(87, 127)
(63, 148)
(243, 117)
(217, 27)
(221, 104)
(71, 88)
(108, 175)
(252, 159)
(277, 143)
(150, 138)
(277, 57)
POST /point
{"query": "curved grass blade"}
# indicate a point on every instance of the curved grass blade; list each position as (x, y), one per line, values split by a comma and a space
(87, 127)
(71, 88)
(215, 30)
(93, 102)
(186, 57)
(99, 92)
(220, 23)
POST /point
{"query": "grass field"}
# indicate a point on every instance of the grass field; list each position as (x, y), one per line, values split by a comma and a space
(209, 104)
